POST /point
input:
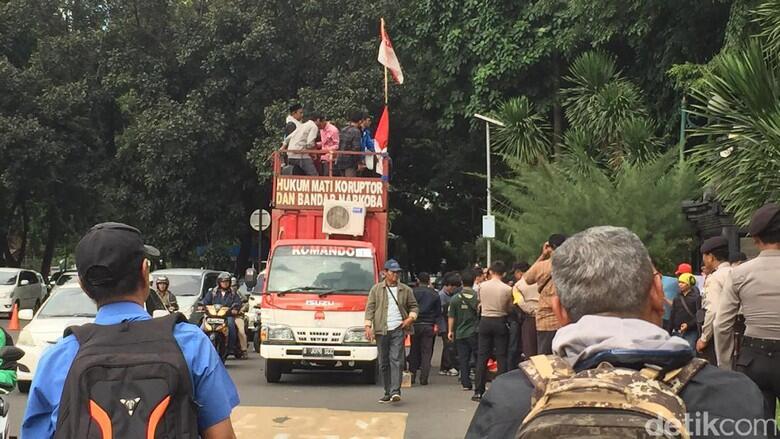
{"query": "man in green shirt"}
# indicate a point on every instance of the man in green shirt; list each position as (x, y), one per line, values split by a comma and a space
(463, 322)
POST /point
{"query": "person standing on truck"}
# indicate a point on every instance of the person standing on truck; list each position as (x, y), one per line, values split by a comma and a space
(329, 141)
(350, 140)
(422, 340)
(390, 313)
(302, 139)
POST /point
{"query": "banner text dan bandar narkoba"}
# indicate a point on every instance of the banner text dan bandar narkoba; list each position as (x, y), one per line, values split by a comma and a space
(308, 192)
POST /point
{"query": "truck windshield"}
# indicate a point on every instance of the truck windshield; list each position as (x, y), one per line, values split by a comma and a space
(347, 270)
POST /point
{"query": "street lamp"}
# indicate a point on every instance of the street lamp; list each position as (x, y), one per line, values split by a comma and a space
(488, 221)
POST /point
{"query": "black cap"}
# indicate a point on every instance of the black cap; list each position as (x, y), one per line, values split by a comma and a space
(711, 244)
(109, 252)
(765, 219)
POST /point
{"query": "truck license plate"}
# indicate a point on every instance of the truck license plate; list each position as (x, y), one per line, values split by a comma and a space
(318, 352)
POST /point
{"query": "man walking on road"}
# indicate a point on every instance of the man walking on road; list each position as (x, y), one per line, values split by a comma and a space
(390, 313)
(495, 304)
(463, 321)
(452, 285)
(422, 340)
(179, 386)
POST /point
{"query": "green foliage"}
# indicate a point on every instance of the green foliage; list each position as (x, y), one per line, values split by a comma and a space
(559, 198)
(526, 134)
(739, 153)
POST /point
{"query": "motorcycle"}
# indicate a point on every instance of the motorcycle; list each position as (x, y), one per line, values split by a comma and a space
(8, 354)
(215, 325)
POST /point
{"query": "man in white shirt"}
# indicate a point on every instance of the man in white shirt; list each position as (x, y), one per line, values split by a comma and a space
(304, 138)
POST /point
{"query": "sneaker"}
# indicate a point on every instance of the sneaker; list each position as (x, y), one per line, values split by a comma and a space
(443, 373)
(477, 397)
(467, 389)
(385, 399)
(395, 397)
(452, 372)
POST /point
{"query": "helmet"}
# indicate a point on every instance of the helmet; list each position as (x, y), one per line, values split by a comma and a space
(162, 280)
(223, 276)
(233, 280)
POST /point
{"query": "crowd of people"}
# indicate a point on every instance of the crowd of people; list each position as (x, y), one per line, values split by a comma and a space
(592, 299)
(310, 145)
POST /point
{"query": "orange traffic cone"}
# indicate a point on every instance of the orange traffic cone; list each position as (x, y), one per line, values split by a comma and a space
(13, 325)
(407, 340)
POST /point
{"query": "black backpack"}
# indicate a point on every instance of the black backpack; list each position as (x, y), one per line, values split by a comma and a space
(128, 380)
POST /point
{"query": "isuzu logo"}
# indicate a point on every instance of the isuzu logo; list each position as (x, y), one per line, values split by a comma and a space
(320, 303)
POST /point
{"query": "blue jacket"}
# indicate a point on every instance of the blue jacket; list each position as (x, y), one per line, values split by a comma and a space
(430, 305)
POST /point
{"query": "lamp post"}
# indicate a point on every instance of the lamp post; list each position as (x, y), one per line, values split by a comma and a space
(488, 222)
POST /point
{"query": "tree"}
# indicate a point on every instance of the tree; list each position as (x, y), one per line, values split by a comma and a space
(738, 100)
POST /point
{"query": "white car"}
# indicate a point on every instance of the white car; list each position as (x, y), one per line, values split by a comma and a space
(24, 288)
(188, 284)
(68, 306)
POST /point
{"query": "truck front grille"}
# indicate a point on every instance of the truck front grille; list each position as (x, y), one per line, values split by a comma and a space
(323, 336)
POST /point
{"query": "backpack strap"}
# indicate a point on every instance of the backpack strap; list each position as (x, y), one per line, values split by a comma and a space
(540, 369)
(678, 379)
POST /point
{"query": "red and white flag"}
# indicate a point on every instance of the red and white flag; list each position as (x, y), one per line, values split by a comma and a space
(381, 138)
(387, 56)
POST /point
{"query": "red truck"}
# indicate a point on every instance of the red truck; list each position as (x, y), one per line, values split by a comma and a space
(328, 244)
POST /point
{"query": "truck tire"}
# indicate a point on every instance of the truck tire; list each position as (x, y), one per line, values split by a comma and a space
(369, 373)
(273, 370)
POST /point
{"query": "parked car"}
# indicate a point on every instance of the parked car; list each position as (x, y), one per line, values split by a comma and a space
(188, 284)
(69, 306)
(22, 287)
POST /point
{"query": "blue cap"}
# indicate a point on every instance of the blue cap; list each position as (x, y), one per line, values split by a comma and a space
(393, 265)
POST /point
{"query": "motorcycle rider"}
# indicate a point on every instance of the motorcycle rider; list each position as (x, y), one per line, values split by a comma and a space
(223, 295)
(162, 297)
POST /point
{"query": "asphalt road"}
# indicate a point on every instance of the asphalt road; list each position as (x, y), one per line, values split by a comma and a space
(331, 405)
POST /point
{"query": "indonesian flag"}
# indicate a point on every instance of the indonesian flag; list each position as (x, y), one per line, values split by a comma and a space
(387, 56)
(381, 138)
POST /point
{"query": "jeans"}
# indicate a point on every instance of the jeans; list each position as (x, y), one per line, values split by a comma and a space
(306, 164)
(691, 336)
(466, 347)
(390, 348)
(422, 351)
(544, 341)
(514, 349)
(492, 335)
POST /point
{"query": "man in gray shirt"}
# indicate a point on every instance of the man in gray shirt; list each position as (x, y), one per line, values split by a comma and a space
(304, 138)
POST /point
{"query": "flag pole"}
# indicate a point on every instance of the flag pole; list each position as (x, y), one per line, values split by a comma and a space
(382, 32)
(385, 86)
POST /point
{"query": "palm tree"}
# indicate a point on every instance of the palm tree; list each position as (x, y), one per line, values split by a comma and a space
(740, 150)
(526, 136)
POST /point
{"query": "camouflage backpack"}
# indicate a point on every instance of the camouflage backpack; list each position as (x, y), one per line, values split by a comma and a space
(605, 402)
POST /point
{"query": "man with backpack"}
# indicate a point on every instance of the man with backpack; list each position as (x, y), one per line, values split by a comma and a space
(463, 321)
(128, 375)
(615, 372)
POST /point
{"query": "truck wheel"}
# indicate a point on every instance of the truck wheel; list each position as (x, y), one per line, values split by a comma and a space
(273, 370)
(369, 373)
(256, 341)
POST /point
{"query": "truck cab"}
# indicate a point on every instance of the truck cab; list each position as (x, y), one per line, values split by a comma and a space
(328, 242)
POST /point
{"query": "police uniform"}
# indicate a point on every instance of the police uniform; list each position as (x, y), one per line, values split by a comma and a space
(712, 291)
(755, 285)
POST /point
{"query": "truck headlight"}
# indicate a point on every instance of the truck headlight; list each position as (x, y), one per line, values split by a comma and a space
(356, 335)
(26, 338)
(276, 333)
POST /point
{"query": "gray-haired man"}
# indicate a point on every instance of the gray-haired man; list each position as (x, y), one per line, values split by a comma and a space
(611, 302)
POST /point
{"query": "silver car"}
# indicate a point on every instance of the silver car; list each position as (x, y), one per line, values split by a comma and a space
(188, 284)
(22, 287)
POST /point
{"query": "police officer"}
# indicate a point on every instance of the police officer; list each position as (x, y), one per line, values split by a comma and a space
(114, 272)
(715, 255)
(755, 285)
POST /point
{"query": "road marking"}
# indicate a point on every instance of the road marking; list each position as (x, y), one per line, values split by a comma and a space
(305, 423)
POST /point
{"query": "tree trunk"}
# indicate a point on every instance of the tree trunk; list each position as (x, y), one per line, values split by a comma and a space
(51, 239)
(557, 111)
